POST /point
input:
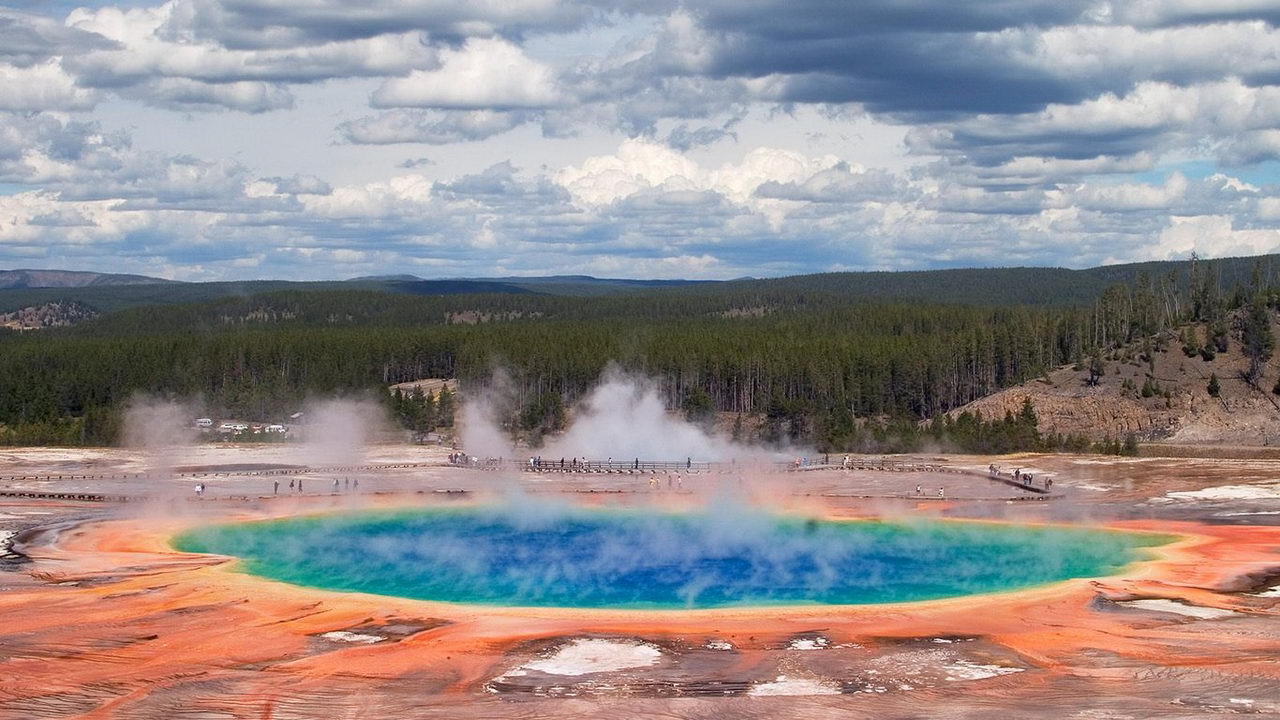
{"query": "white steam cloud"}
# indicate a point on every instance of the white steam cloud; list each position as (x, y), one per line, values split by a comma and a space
(623, 417)
(479, 423)
(159, 428)
(336, 431)
(626, 418)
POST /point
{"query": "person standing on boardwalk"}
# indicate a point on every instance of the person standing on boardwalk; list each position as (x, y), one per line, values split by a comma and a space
(275, 488)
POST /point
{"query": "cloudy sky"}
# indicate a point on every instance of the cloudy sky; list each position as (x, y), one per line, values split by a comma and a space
(217, 139)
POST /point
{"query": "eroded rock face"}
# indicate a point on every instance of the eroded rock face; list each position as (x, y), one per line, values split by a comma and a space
(48, 315)
(1178, 409)
(1095, 414)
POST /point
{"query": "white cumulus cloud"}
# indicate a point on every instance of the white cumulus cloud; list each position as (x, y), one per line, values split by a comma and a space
(639, 165)
(483, 73)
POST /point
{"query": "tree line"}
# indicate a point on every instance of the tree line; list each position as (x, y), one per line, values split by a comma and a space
(817, 367)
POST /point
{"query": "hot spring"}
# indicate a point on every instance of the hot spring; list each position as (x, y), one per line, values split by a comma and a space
(643, 559)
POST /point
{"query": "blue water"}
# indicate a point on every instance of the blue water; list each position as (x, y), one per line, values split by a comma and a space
(560, 557)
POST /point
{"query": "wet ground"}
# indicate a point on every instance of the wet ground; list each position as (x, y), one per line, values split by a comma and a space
(99, 618)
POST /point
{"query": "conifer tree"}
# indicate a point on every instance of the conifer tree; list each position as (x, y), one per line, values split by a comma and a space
(1259, 341)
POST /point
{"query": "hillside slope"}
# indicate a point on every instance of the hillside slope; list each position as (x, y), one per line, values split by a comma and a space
(1181, 411)
(49, 315)
(12, 279)
(1044, 286)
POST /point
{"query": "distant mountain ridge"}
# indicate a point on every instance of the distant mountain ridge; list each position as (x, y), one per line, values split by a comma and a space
(385, 278)
(24, 278)
(580, 285)
(996, 286)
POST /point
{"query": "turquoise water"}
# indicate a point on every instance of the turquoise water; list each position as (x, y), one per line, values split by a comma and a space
(560, 557)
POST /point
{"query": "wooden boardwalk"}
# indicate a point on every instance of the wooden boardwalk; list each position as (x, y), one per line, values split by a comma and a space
(303, 470)
(119, 498)
(642, 467)
(569, 467)
(1012, 482)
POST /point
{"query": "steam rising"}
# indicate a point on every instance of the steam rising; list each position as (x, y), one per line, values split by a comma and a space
(335, 431)
(623, 417)
(159, 428)
(626, 418)
(479, 419)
